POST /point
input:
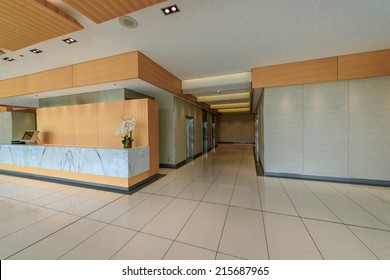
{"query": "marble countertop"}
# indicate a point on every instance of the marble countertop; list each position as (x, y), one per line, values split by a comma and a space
(124, 163)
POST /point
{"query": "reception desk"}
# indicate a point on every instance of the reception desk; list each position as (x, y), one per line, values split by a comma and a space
(106, 167)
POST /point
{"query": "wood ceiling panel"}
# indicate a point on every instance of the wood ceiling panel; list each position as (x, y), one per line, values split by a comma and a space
(27, 22)
(102, 10)
(1, 52)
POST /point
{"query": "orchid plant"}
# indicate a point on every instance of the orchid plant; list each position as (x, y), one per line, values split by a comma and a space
(125, 128)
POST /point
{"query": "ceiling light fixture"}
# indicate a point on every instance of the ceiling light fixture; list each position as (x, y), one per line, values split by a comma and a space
(8, 59)
(236, 110)
(69, 40)
(170, 10)
(222, 97)
(36, 51)
(230, 105)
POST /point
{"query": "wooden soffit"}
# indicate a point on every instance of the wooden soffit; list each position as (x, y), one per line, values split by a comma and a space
(1, 52)
(102, 10)
(27, 22)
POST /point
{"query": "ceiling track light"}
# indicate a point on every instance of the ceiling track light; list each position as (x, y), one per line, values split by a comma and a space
(170, 10)
(69, 40)
(36, 51)
(8, 59)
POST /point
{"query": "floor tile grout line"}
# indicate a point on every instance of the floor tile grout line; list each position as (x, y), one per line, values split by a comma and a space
(300, 218)
(230, 202)
(79, 219)
(194, 212)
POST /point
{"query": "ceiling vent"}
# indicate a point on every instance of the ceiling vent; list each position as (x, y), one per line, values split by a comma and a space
(128, 22)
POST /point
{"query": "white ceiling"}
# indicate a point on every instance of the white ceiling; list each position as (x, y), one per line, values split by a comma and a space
(218, 37)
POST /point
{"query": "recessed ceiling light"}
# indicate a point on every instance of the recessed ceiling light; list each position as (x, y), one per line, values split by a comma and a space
(69, 40)
(223, 97)
(8, 59)
(36, 51)
(235, 110)
(170, 10)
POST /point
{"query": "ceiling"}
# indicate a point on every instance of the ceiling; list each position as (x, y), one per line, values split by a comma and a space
(213, 39)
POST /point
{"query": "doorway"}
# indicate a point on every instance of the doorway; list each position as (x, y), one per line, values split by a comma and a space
(190, 138)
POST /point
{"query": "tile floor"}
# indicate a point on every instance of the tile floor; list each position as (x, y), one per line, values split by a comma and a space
(215, 207)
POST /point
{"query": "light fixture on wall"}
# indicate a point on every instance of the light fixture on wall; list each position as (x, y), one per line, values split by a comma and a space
(170, 10)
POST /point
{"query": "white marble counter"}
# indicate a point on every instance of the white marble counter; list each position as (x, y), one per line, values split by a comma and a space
(123, 163)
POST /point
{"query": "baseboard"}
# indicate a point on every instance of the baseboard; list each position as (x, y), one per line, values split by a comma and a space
(329, 179)
(237, 142)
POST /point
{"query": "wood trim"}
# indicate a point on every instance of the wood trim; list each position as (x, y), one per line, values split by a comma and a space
(102, 10)
(1, 52)
(364, 65)
(310, 71)
(151, 72)
(13, 87)
(54, 79)
(108, 69)
(88, 178)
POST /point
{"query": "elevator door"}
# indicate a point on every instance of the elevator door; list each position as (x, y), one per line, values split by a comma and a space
(190, 138)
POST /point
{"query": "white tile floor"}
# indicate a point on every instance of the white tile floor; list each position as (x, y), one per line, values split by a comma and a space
(215, 207)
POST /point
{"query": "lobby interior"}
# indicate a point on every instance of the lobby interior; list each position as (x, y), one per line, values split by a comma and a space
(261, 130)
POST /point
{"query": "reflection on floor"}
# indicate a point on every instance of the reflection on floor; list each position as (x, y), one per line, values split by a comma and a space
(215, 207)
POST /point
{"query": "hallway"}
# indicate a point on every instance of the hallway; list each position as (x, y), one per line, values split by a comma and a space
(214, 207)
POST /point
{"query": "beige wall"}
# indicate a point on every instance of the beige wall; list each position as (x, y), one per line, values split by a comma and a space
(182, 110)
(166, 129)
(14, 124)
(236, 128)
(335, 129)
(260, 128)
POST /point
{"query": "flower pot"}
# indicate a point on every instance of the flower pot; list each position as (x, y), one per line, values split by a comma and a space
(127, 143)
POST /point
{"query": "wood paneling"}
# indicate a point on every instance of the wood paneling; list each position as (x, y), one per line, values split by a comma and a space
(103, 10)
(54, 79)
(364, 65)
(24, 23)
(64, 129)
(13, 87)
(153, 137)
(46, 124)
(310, 71)
(138, 110)
(109, 69)
(86, 126)
(109, 117)
(154, 74)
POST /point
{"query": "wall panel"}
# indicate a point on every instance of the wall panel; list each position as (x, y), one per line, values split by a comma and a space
(325, 128)
(369, 146)
(13, 87)
(236, 128)
(109, 69)
(64, 129)
(109, 117)
(283, 130)
(295, 73)
(153, 73)
(86, 125)
(54, 79)
(46, 124)
(364, 65)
